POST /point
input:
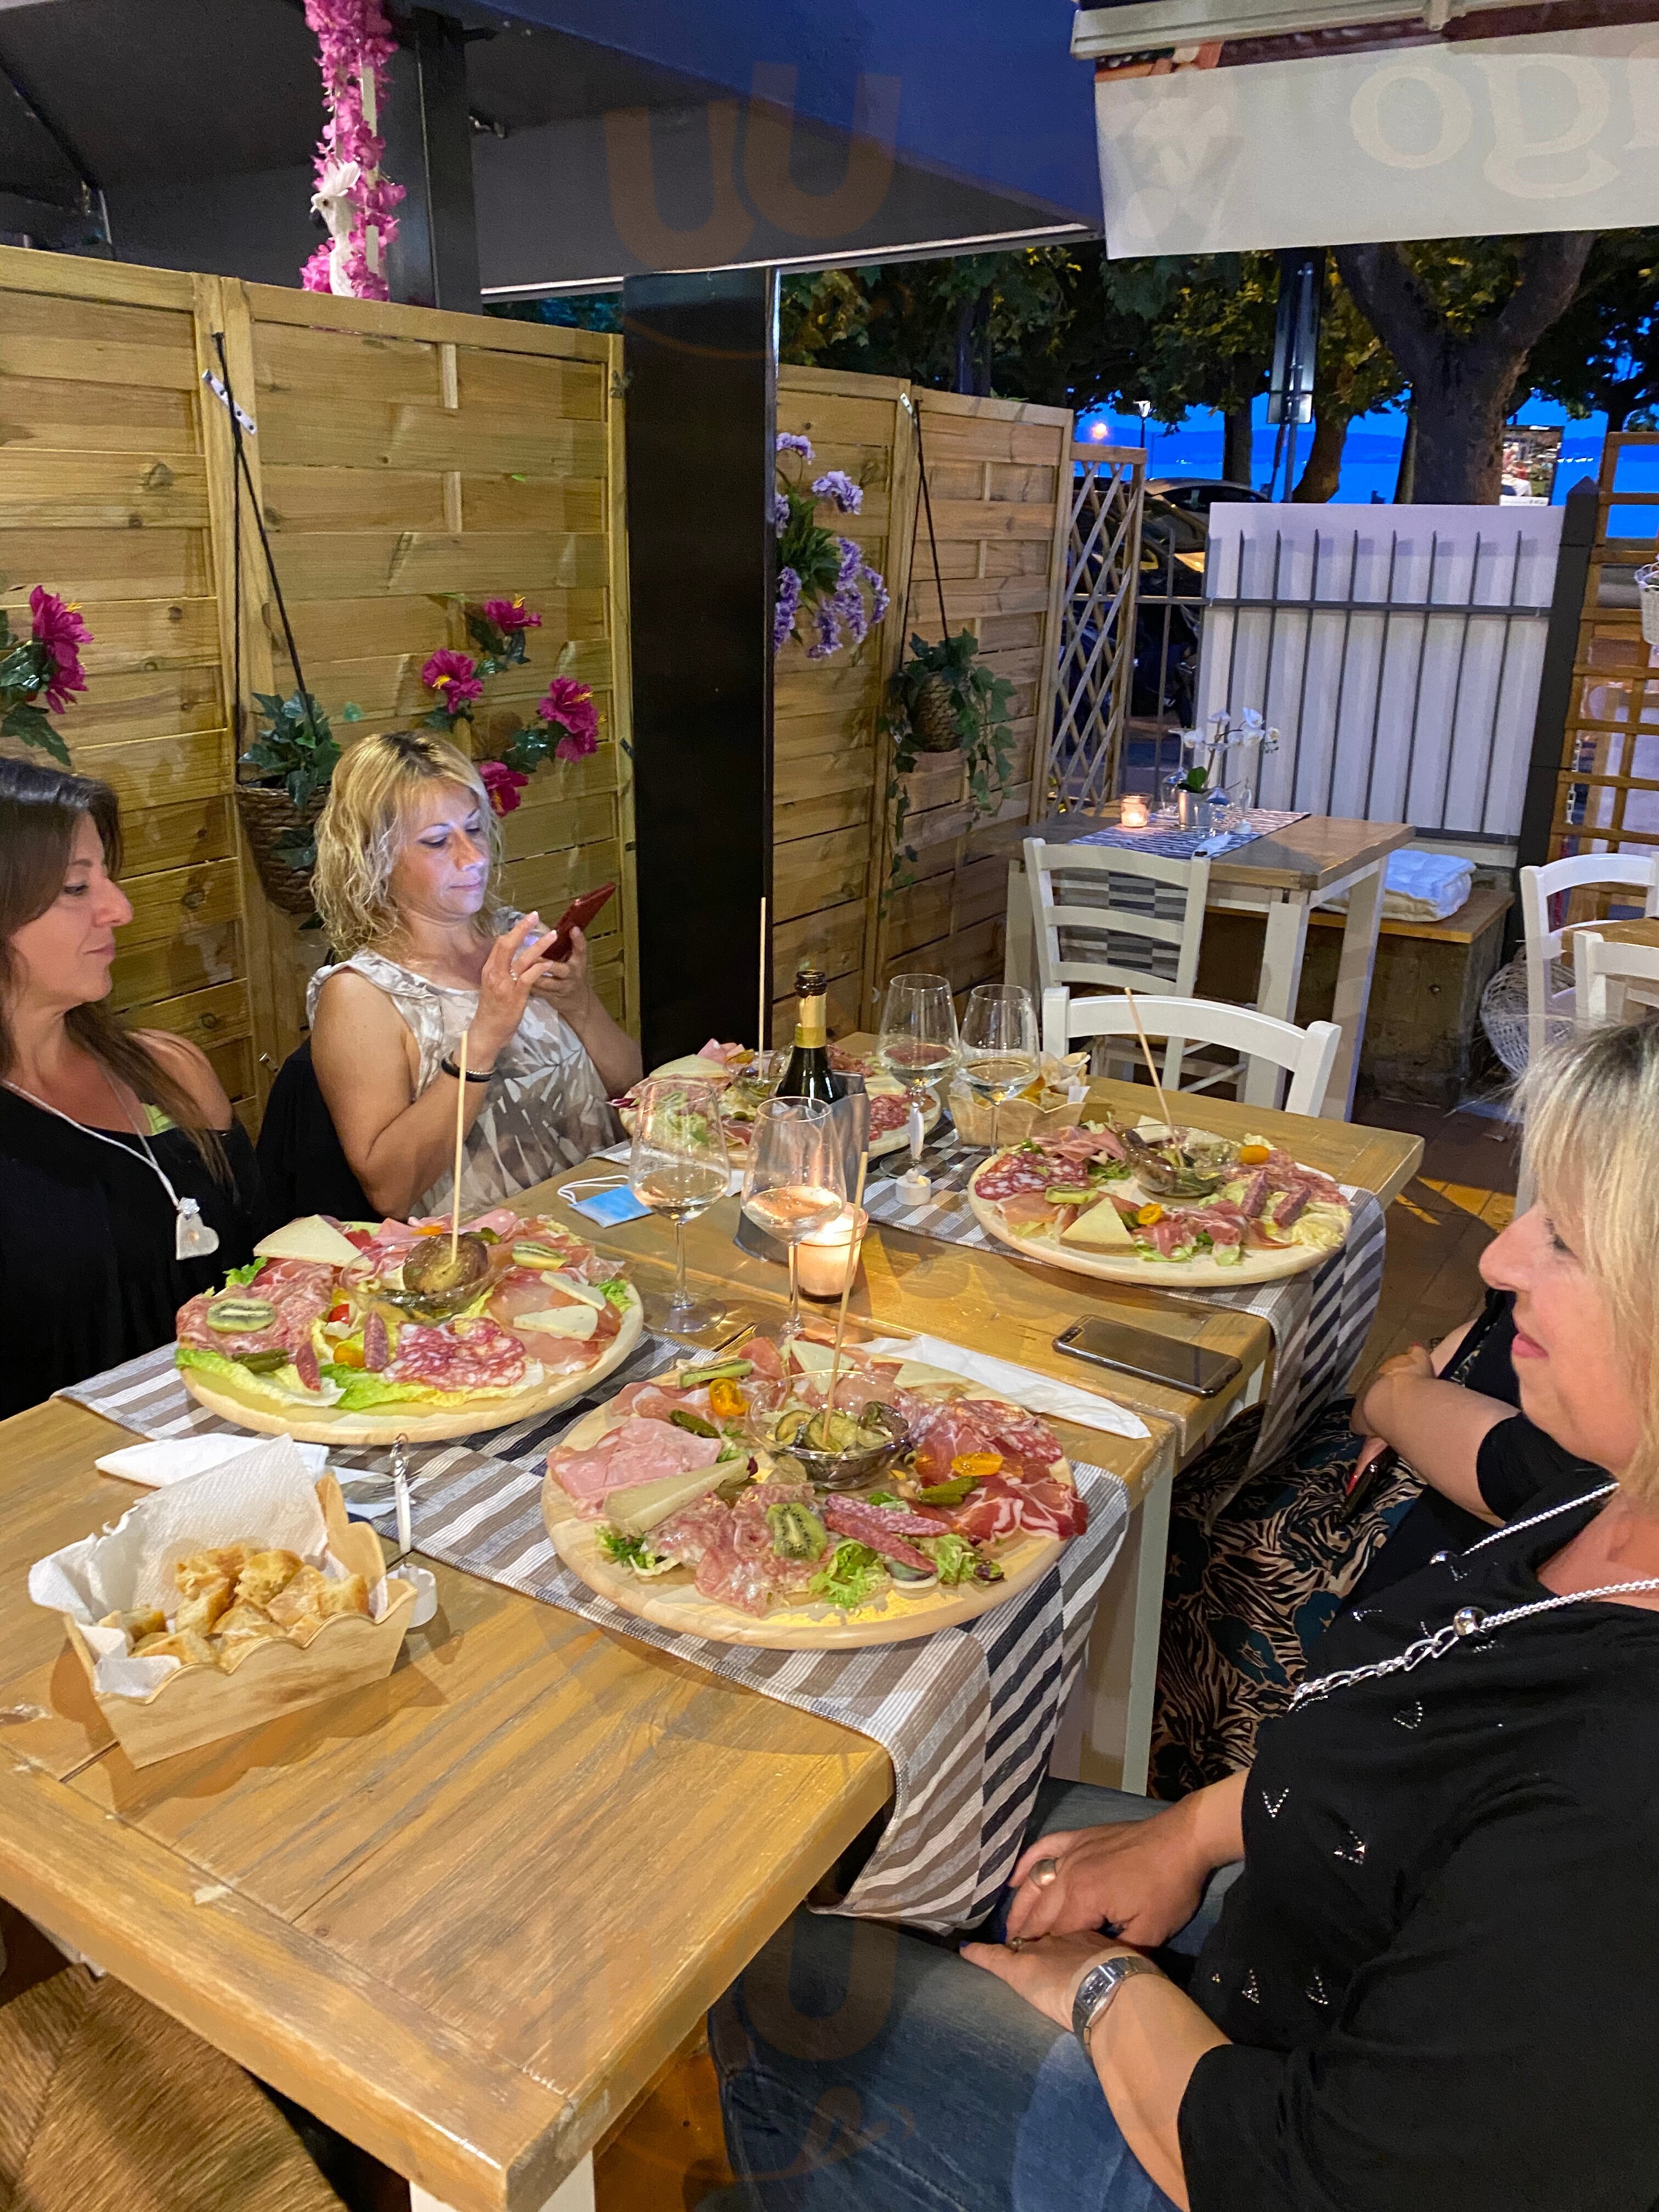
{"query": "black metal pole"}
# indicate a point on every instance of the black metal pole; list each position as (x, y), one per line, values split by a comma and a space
(427, 126)
(1555, 682)
(700, 358)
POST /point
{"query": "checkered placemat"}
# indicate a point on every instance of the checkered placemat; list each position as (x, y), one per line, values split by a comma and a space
(1187, 844)
(1320, 1320)
(968, 1716)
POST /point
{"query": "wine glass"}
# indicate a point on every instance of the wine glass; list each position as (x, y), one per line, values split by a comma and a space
(918, 1043)
(678, 1167)
(998, 1043)
(795, 1181)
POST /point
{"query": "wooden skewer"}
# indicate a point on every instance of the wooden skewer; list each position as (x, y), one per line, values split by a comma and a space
(847, 1287)
(461, 1140)
(1140, 1031)
(762, 1041)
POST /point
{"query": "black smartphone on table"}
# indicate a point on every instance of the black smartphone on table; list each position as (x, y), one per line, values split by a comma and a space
(1148, 1357)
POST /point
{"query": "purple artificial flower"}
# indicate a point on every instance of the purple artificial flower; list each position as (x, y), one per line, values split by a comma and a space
(789, 442)
(510, 615)
(780, 514)
(837, 484)
(849, 604)
(784, 608)
(828, 636)
(501, 784)
(851, 559)
(58, 626)
(878, 599)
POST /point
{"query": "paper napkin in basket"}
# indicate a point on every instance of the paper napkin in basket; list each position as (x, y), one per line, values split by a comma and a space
(176, 1459)
(268, 1492)
(1022, 1386)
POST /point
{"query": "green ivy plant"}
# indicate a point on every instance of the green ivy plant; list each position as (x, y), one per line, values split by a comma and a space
(947, 679)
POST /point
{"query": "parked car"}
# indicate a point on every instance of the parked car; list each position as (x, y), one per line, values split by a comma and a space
(1197, 495)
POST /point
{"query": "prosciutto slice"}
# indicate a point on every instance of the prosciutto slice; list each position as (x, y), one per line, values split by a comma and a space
(635, 1451)
(997, 1508)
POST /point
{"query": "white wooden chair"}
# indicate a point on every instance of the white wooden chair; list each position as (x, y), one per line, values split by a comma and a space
(1612, 982)
(1538, 887)
(1306, 1055)
(1117, 919)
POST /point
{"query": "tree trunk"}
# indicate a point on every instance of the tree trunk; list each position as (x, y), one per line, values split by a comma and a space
(1323, 473)
(1236, 432)
(965, 345)
(1461, 386)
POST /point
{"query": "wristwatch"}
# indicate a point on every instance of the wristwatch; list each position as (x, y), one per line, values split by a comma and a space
(1097, 1988)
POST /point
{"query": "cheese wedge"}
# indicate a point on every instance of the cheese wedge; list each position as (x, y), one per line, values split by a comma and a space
(1102, 1227)
(644, 1506)
(577, 1322)
(309, 1238)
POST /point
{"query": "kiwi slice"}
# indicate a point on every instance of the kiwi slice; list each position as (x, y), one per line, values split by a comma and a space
(427, 1267)
(527, 1253)
(237, 1316)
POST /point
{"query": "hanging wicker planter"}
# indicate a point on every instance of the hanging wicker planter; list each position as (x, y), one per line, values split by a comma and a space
(268, 815)
(934, 718)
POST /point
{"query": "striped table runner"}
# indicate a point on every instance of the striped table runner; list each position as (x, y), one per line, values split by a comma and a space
(1320, 1320)
(967, 1716)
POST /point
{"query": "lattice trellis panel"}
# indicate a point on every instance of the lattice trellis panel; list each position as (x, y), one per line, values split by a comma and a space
(1097, 624)
(1607, 794)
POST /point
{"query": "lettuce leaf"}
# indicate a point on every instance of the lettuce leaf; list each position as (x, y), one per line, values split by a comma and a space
(854, 1574)
(360, 1392)
(620, 1291)
(957, 1561)
(236, 1278)
(283, 1387)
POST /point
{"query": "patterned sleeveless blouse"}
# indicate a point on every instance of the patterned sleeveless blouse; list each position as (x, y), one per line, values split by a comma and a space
(546, 1107)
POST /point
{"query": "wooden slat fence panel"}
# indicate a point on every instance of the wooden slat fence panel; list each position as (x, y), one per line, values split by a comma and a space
(103, 499)
(999, 473)
(1607, 795)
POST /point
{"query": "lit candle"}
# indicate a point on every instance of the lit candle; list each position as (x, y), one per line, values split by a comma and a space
(1133, 813)
(828, 1256)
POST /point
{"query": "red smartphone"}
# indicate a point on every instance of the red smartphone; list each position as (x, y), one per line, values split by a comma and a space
(577, 916)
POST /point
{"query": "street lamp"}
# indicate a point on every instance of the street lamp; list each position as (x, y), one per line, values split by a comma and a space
(1143, 408)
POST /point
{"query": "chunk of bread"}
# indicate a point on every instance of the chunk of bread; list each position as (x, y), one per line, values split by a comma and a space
(349, 1595)
(142, 1620)
(300, 1599)
(202, 1610)
(266, 1573)
(185, 1645)
(201, 1567)
(241, 1629)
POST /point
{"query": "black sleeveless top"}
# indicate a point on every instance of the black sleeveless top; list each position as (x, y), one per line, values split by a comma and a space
(87, 1276)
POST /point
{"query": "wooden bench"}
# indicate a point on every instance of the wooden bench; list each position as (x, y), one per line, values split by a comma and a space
(1423, 1025)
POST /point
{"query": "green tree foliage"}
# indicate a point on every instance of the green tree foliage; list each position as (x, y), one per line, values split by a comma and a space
(1602, 355)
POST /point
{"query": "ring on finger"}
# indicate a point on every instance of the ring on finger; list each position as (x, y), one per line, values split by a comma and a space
(1044, 1874)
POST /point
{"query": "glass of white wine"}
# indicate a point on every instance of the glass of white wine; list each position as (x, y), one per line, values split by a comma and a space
(795, 1181)
(678, 1167)
(918, 1043)
(999, 1054)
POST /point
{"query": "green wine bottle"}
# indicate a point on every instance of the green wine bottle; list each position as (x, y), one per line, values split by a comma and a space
(809, 1074)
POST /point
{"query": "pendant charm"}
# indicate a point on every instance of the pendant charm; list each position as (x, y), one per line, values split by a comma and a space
(193, 1239)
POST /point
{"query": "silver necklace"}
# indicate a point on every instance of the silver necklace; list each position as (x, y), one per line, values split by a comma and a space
(192, 1238)
(1469, 1620)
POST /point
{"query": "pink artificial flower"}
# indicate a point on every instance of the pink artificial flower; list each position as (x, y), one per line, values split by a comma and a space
(502, 783)
(58, 627)
(454, 676)
(510, 615)
(571, 705)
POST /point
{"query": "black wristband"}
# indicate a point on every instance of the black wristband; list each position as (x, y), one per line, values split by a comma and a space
(448, 1067)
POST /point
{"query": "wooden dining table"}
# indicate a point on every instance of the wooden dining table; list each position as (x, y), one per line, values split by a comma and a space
(467, 1915)
(1283, 876)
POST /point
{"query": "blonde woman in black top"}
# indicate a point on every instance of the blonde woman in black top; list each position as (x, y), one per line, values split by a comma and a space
(1431, 1987)
(126, 1184)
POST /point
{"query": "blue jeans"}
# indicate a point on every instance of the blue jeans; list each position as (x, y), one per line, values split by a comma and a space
(864, 2069)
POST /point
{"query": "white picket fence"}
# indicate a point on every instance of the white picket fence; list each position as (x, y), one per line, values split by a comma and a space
(1397, 650)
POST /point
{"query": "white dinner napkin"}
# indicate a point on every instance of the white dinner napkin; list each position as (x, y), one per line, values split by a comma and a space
(175, 1459)
(1024, 1386)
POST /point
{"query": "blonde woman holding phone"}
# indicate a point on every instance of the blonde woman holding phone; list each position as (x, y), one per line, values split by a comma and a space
(407, 852)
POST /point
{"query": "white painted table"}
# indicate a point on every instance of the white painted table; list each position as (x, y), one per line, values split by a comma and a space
(1283, 878)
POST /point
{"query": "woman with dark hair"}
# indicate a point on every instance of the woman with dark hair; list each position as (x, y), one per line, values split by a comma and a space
(126, 1183)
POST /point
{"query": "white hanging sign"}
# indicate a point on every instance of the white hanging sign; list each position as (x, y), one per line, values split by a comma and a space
(1481, 138)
